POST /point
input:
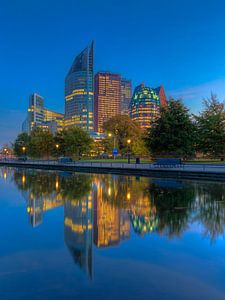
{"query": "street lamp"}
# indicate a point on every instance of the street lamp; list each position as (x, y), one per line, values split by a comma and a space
(57, 148)
(114, 143)
(24, 149)
(5, 151)
(128, 150)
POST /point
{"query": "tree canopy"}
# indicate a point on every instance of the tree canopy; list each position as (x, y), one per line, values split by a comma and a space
(41, 143)
(21, 144)
(74, 142)
(211, 128)
(121, 128)
(173, 133)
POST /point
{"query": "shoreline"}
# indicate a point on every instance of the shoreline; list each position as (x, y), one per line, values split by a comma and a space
(186, 171)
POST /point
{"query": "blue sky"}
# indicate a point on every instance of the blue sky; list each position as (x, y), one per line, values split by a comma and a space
(180, 44)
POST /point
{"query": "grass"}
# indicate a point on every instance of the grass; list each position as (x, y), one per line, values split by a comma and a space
(145, 160)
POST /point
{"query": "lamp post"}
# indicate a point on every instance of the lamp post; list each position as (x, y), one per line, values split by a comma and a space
(128, 150)
(24, 150)
(114, 142)
(5, 152)
(57, 148)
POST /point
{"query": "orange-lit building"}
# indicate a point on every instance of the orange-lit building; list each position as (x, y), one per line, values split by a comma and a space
(107, 99)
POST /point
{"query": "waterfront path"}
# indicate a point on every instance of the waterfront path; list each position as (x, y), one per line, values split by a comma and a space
(200, 171)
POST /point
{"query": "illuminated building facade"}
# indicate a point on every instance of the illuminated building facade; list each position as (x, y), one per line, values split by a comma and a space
(79, 91)
(50, 115)
(126, 95)
(107, 100)
(39, 116)
(145, 106)
(35, 115)
(53, 121)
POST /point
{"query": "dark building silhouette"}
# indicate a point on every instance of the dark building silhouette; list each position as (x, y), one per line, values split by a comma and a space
(126, 95)
(162, 95)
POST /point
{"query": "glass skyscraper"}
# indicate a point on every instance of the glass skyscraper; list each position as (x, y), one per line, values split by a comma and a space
(35, 115)
(126, 95)
(79, 91)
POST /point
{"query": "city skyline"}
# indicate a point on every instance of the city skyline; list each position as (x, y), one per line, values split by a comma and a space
(187, 57)
(91, 99)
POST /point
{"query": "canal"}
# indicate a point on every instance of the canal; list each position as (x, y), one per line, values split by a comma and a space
(100, 236)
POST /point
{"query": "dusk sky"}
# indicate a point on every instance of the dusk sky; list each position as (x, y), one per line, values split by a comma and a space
(177, 43)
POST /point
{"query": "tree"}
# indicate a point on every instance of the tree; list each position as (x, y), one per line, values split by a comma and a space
(21, 145)
(211, 128)
(42, 143)
(173, 133)
(139, 148)
(74, 142)
(121, 128)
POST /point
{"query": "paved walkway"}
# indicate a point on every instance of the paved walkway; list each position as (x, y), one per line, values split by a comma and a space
(218, 169)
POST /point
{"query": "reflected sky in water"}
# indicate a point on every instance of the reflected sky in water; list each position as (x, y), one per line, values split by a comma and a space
(90, 236)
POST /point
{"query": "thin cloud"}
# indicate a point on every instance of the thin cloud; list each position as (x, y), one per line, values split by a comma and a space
(193, 96)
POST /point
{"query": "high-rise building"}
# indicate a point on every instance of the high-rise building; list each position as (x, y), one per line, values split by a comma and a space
(107, 100)
(39, 116)
(144, 106)
(162, 95)
(126, 95)
(35, 115)
(79, 91)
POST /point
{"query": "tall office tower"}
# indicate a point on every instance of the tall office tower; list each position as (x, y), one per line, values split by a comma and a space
(162, 95)
(107, 100)
(35, 115)
(126, 95)
(79, 91)
(144, 106)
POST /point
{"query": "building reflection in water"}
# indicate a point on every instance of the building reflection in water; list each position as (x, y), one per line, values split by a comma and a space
(111, 224)
(100, 209)
(78, 230)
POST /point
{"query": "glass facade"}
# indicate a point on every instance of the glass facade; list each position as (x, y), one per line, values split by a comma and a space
(35, 111)
(145, 106)
(126, 95)
(79, 91)
(39, 116)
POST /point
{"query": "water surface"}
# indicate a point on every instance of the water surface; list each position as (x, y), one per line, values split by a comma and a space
(90, 236)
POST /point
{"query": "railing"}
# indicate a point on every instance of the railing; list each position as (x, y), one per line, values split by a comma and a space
(206, 168)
